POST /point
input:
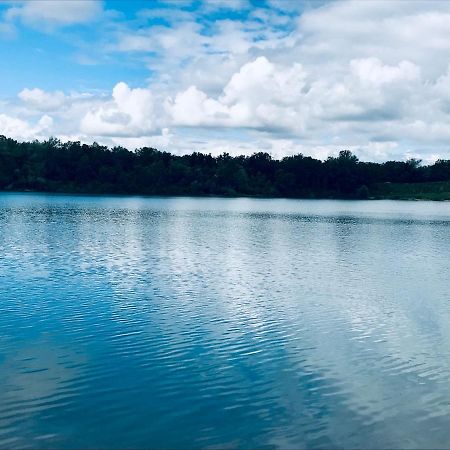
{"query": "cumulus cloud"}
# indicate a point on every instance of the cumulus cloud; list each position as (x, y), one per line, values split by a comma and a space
(370, 76)
(193, 108)
(130, 112)
(286, 98)
(259, 95)
(373, 72)
(23, 130)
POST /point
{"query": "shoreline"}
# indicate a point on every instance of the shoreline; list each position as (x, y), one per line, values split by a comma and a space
(262, 197)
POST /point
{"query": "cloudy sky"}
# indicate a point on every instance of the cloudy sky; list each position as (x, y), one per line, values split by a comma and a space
(238, 76)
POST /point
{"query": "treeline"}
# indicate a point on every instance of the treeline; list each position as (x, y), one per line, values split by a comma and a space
(74, 167)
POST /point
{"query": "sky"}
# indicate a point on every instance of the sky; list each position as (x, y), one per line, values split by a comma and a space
(236, 76)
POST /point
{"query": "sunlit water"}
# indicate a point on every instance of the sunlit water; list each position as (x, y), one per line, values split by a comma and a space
(223, 323)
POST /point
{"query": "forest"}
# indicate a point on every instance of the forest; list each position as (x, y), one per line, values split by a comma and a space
(73, 167)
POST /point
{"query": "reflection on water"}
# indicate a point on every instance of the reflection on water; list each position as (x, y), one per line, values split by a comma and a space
(187, 323)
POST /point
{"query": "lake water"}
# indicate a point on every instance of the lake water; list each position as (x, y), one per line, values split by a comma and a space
(222, 323)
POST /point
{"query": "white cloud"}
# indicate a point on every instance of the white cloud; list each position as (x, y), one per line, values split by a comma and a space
(259, 95)
(55, 13)
(41, 100)
(213, 5)
(372, 71)
(370, 76)
(163, 39)
(193, 108)
(130, 112)
(23, 130)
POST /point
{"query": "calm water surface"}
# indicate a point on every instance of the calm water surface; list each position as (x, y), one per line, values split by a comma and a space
(223, 323)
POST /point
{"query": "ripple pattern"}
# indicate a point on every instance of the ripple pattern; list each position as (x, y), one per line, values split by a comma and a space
(182, 323)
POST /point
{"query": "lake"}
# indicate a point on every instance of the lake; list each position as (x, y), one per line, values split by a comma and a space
(223, 323)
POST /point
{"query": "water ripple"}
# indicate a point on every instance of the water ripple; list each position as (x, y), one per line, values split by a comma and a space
(187, 323)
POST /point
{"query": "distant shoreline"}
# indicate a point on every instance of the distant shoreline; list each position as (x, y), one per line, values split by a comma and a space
(74, 168)
(437, 197)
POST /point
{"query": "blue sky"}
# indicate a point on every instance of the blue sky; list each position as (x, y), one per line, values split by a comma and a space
(61, 56)
(230, 75)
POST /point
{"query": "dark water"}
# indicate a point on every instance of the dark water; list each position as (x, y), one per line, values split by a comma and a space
(216, 323)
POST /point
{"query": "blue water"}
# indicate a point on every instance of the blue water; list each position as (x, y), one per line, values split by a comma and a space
(183, 323)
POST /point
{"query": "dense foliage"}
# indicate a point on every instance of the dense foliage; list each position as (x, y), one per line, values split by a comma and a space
(75, 167)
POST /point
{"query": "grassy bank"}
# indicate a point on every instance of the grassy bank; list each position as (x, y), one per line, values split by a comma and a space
(437, 191)
(412, 191)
